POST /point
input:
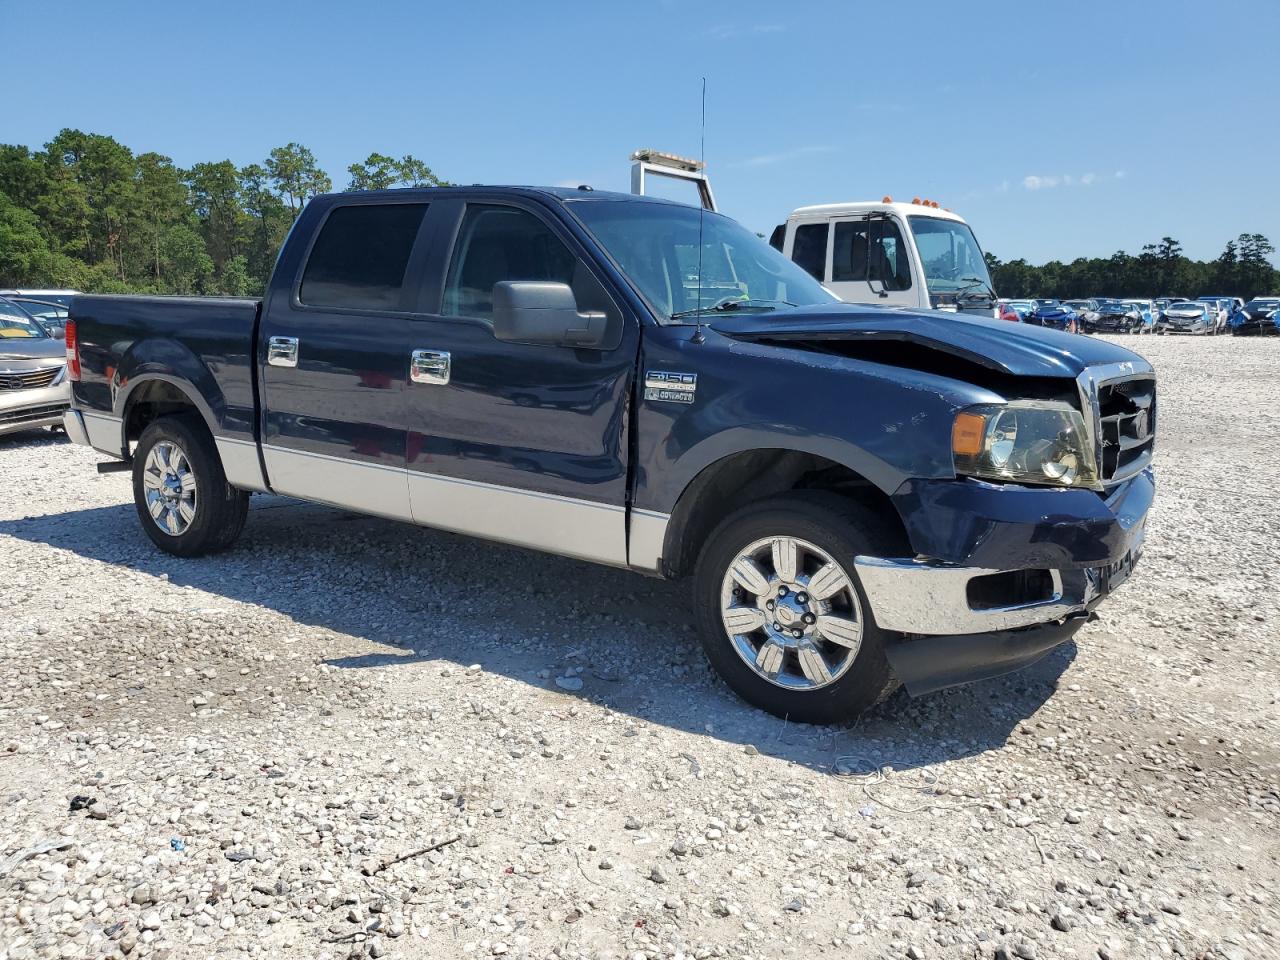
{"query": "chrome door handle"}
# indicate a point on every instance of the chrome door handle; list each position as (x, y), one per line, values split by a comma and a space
(282, 351)
(429, 366)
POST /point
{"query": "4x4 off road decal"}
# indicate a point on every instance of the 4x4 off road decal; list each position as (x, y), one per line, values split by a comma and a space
(670, 387)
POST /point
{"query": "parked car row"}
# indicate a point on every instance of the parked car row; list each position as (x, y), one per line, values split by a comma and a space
(1165, 315)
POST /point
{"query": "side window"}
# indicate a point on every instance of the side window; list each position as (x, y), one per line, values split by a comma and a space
(810, 248)
(849, 252)
(497, 243)
(890, 263)
(359, 259)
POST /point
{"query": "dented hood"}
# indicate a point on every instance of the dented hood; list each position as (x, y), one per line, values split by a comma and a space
(1011, 348)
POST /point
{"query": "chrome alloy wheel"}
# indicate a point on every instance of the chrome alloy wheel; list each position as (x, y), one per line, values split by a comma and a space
(791, 613)
(170, 488)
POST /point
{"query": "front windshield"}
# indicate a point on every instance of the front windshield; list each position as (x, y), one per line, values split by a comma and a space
(16, 325)
(953, 262)
(1048, 304)
(1262, 304)
(656, 246)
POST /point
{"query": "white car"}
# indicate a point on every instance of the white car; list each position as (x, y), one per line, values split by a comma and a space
(60, 297)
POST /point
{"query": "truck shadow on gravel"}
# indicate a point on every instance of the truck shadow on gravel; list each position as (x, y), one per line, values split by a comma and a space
(423, 595)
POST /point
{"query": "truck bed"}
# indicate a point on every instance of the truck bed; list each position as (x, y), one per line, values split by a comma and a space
(127, 342)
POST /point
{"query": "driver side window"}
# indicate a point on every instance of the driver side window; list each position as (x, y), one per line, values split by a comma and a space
(890, 263)
(497, 243)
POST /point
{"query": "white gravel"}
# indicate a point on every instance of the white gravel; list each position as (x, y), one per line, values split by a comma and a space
(250, 755)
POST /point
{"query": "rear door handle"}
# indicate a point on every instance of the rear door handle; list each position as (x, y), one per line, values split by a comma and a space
(282, 351)
(430, 366)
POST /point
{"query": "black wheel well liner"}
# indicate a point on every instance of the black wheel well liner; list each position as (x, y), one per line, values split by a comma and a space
(154, 398)
(741, 478)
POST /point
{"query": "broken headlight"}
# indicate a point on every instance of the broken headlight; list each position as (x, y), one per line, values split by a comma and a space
(1026, 441)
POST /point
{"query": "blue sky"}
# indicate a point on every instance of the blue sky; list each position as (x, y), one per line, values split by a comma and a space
(1057, 129)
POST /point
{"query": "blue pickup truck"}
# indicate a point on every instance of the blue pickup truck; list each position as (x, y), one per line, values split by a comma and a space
(860, 496)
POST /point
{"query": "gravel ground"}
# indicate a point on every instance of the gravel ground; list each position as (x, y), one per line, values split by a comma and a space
(349, 737)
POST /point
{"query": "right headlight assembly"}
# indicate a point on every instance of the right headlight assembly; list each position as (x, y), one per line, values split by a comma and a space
(1025, 441)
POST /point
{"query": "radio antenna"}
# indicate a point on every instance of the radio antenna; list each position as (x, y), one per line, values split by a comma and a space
(702, 212)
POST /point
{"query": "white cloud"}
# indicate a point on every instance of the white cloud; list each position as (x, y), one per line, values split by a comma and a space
(1036, 181)
(782, 156)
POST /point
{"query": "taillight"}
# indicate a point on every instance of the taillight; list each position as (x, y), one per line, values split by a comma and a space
(73, 352)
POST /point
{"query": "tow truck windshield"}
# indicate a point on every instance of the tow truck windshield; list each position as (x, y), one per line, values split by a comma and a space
(656, 246)
(953, 261)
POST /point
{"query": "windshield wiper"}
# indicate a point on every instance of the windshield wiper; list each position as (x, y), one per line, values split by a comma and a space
(729, 304)
(976, 282)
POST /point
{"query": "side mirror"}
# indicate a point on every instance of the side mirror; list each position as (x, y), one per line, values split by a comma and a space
(537, 311)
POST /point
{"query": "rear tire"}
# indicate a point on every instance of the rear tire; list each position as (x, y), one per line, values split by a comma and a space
(807, 677)
(184, 502)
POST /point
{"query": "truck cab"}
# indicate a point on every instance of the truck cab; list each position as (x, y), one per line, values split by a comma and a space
(894, 254)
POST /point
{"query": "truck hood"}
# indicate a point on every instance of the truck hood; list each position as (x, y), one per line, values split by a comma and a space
(31, 348)
(1015, 349)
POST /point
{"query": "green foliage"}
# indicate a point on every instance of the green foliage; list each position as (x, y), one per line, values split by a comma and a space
(1161, 270)
(86, 212)
(380, 172)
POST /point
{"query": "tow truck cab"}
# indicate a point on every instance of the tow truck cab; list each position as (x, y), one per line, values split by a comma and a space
(895, 254)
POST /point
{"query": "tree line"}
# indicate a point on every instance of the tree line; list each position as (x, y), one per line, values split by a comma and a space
(86, 212)
(1161, 270)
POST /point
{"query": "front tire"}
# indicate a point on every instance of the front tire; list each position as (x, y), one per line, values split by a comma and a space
(184, 502)
(780, 610)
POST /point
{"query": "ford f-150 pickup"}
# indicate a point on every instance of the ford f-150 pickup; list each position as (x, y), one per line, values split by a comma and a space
(861, 496)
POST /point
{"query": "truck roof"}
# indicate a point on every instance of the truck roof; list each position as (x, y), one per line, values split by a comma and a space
(561, 193)
(824, 211)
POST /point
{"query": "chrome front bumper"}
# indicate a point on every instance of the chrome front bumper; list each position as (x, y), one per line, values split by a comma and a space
(28, 409)
(932, 599)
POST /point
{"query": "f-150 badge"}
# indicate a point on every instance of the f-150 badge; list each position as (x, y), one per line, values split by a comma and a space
(671, 387)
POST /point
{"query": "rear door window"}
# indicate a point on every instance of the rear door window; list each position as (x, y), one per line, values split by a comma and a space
(359, 259)
(809, 249)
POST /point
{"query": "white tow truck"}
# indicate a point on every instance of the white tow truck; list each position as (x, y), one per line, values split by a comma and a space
(915, 254)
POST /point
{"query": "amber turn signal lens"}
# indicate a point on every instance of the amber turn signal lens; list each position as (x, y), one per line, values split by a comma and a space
(967, 434)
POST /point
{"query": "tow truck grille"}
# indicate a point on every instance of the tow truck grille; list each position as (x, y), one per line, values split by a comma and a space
(1126, 427)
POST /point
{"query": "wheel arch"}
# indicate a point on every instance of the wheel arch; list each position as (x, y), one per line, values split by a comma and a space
(736, 479)
(153, 395)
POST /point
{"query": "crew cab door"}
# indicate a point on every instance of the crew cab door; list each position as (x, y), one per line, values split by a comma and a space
(870, 262)
(517, 442)
(333, 355)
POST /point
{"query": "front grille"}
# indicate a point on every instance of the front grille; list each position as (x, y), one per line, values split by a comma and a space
(28, 379)
(1126, 427)
(32, 414)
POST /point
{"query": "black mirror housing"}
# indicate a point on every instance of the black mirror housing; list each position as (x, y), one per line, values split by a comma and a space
(543, 312)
